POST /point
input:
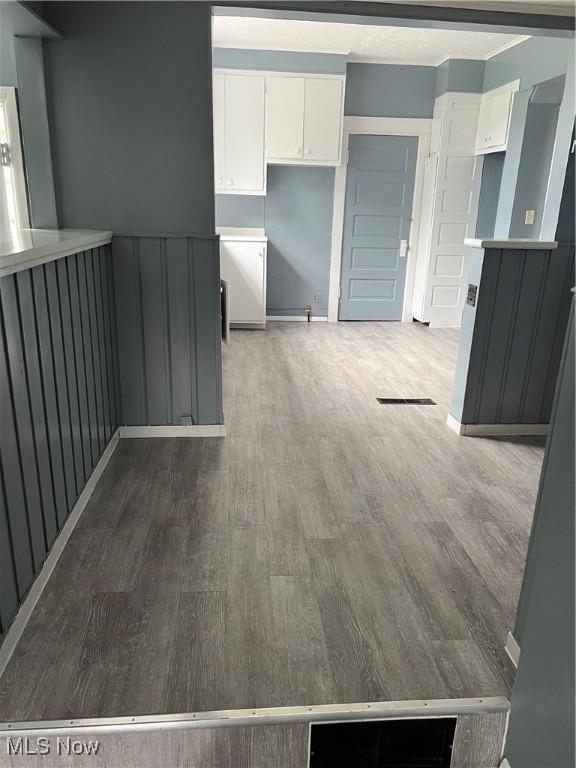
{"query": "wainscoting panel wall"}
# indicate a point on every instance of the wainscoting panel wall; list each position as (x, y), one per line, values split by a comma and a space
(58, 405)
(521, 318)
(168, 312)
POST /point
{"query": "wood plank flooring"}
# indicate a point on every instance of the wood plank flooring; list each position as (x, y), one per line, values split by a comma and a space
(329, 550)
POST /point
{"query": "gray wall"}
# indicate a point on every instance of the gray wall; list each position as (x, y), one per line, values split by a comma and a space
(35, 130)
(240, 211)
(489, 194)
(298, 222)
(297, 217)
(279, 61)
(168, 316)
(533, 61)
(390, 90)
(534, 170)
(58, 405)
(131, 94)
(460, 76)
(511, 342)
(541, 726)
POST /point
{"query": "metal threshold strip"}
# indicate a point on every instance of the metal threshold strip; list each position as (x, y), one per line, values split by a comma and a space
(265, 716)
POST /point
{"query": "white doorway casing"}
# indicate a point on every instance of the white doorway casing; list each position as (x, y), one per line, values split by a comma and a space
(378, 126)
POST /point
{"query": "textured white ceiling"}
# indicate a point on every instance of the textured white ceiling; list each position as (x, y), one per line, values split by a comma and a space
(362, 42)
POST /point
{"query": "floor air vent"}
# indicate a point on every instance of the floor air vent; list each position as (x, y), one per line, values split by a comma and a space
(423, 743)
(405, 401)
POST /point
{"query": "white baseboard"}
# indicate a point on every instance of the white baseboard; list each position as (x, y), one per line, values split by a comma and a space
(505, 763)
(496, 430)
(512, 649)
(295, 318)
(194, 430)
(19, 624)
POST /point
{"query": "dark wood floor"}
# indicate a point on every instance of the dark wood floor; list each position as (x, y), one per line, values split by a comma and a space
(329, 550)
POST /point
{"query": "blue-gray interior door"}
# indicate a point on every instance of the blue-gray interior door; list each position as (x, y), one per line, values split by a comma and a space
(377, 218)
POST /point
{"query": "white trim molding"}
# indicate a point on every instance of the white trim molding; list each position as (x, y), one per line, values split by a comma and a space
(378, 126)
(22, 617)
(169, 430)
(295, 318)
(496, 430)
(512, 649)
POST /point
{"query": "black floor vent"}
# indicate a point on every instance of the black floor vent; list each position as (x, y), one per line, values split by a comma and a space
(405, 401)
(405, 743)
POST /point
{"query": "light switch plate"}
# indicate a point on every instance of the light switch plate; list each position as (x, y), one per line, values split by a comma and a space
(529, 219)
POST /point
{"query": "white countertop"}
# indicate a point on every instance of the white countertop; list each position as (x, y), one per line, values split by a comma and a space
(514, 243)
(249, 234)
(29, 247)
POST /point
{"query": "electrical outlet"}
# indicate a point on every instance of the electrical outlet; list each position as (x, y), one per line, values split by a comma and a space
(529, 218)
(318, 298)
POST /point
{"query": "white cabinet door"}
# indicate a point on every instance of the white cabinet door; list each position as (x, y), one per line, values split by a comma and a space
(243, 266)
(484, 124)
(500, 106)
(284, 117)
(244, 133)
(219, 133)
(322, 119)
(494, 119)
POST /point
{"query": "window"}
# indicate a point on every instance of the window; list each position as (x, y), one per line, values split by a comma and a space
(13, 202)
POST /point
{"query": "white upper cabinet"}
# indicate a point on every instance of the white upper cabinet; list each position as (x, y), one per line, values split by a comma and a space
(285, 117)
(239, 165)
(323, 120)
(304, 119)
(494, 119)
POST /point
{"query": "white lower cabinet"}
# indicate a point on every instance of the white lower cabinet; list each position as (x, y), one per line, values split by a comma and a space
(243, 266)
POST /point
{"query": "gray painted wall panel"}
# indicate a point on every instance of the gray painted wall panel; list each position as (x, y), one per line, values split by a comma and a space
(390, 90)
(37, 402)
(79, 364)
(63, 406)
(12, 479)
(167, 291)
(9, 588)
(23, 418)
(45, 435)
(70, 372)
(511, 341)
(541, 726)
(49, 388)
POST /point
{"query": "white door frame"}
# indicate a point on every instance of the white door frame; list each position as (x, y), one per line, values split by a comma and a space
(378, 126)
